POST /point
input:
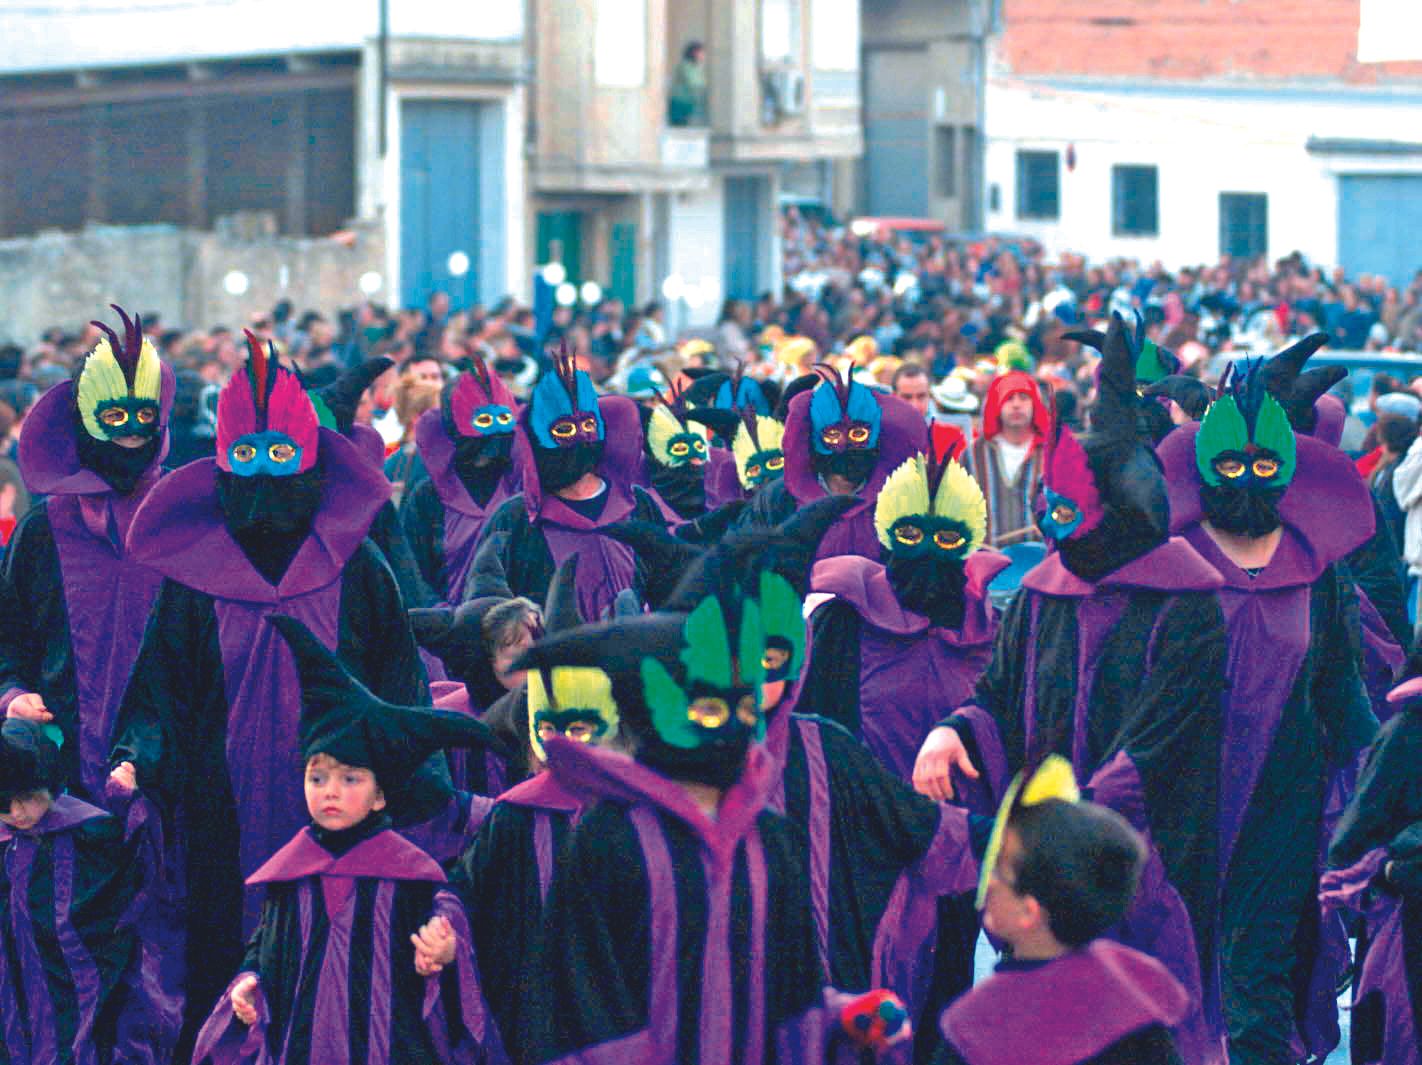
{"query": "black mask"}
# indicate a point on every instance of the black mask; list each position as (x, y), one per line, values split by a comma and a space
(856, 466)
(1242, 511)
(1123, 536)
(480, 462)
(561, 466)
(120, 467)
(930, 586)
(717, 765)
(683, 488)
(270, 517)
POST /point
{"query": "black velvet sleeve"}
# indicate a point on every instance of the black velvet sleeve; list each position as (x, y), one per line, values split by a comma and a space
(422, 518)
(831, 685)
(388, 534)
(31, 598)
(769, 505)
(172, 720)
(1149, 1046)
(1337, 693)
(1388, 796)
(999, 690)
(1378, 570)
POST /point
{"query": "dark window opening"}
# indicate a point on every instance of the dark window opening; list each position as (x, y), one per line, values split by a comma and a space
(1038, 185)
(1244, 224)
(1135, 210)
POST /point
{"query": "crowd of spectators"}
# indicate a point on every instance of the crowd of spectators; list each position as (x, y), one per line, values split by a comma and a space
(933, 318)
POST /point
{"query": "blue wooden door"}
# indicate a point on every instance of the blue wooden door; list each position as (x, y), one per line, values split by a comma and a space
(745, 222)
(451, 201)
(1379, 217)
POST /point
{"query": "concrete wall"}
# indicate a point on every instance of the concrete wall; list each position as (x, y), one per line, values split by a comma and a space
(1205, 141)
(66, 279)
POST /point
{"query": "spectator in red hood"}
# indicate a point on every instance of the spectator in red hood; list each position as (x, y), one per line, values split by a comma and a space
(1007, 459)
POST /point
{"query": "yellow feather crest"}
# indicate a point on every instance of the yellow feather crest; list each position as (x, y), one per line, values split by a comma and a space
(148, 377)
(101, 381)
(772, 438)
(585, 688)
(905, 493)
(1054, 779)
(661, 427)
(960, 498)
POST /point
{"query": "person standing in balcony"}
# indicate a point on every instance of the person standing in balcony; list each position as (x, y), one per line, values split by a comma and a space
(686, 99)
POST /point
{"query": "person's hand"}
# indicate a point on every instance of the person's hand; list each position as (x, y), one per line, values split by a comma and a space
(434, 946)
(941, 753)
(244, 999)
(125, 776)
(29, 706)
(876, 1021)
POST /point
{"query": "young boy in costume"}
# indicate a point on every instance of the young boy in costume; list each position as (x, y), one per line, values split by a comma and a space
(1057, 875)
(77, 972)
(340, 966)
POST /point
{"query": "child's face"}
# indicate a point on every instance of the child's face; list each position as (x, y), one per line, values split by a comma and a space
(340, 796)
(1007, 914)
(26, 809)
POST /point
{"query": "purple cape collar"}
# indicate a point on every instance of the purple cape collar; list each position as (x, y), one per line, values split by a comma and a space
(437, 451)
(1174, 566)
(596, 773)
(179, 530)
(386, 855)
(864, 585)
(543, 792)
(64, 813)
(902, 435)
(1326, 506)
(621, 467)
(49, 458)
(1066, 1011)
(369, 443)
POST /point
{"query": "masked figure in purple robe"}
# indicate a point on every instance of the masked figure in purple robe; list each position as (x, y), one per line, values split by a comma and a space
(78, 970)
(720, 401)
(580, 457)
(1112, 655)
(678, 923)
(467, 447)
(275, 523)
(73, 600)
(840, 439)
(899, 644)
(1376, 872)
(330, 973)
(1274, 512)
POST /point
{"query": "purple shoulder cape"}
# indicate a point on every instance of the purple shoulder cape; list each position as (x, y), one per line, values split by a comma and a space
(463, 518)
(369, 443)
(723, 482)
(1063, 1012)
(1174, 566)
(180, 532)
(544, 791)
(48, 455)
(386, 855)
(1326, 506)
(903, 434)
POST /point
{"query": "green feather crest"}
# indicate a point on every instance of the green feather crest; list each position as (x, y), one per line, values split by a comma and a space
(1222, 429)
(1150, 367)
(667, 702)
(707, 654)
(781, 615)
(1273, 431)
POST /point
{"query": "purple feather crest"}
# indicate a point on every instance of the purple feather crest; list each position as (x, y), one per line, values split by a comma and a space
(127, 352)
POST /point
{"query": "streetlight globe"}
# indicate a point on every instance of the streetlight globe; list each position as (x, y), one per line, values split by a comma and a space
(458, 264)
(370, 282)
(591, 293)
(566, 294)
(554, 274)
(236, 283)
(673, 287)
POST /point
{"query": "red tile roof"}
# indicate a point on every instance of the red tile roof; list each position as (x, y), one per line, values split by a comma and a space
(1189, 40)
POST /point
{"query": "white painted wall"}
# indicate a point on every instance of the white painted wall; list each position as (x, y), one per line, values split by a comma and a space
(1205, 141)
(69, 34)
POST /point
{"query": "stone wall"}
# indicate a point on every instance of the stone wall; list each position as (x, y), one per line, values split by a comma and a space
(65, 279)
